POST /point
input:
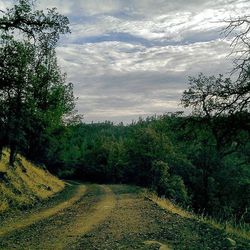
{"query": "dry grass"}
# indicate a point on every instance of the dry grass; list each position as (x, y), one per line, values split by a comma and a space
(238, 231)
(25, 183)
(168, 205)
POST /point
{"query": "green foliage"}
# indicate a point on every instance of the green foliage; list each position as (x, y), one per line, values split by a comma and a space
(174, 155)
(34, 24)
(176, 190)
(160, 177)
(145, 147)
(34, 96)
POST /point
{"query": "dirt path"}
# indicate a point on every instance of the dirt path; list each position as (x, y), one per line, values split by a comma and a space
(41, 215)
(110, 217)
(138, 223)
(83, 220)
(59, 226)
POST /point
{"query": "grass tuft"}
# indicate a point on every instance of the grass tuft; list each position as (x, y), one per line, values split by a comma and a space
(168, 205)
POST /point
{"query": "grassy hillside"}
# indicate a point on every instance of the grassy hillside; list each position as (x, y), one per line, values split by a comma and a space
(25, 184)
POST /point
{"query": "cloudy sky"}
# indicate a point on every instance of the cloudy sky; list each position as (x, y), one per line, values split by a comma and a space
(131, 58)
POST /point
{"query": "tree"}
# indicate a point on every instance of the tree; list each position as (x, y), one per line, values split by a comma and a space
(33, 92)
(215, 96)
(145, 148)
(238, 30)
(50, 99)
(214, 104)
(220, 110)
(32, 22)
(15, 76)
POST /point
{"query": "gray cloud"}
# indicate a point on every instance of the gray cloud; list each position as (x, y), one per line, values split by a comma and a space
(133, 58)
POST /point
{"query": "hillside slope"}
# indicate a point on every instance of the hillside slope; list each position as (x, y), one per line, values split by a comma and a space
(25, 184)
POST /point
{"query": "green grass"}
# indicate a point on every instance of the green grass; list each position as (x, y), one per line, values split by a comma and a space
(24, 184)
(239, 230)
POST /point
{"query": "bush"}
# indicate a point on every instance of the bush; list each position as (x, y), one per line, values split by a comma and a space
(164, 184)
(176, 190)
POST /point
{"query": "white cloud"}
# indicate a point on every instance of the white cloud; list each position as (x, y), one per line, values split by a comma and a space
(132, 58)
(111, 82)
(100, 58)
(167, 26)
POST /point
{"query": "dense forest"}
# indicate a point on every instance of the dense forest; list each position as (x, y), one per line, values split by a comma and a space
(199, 160)
(175, 155)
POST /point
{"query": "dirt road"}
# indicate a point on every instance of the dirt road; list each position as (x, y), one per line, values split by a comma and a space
(106, 217)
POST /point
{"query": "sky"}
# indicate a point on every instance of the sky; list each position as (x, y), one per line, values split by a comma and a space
(132, 58)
